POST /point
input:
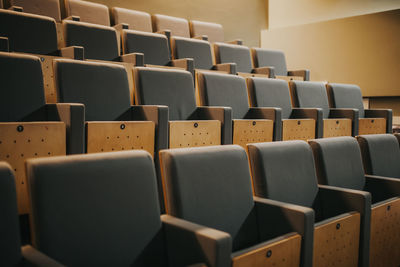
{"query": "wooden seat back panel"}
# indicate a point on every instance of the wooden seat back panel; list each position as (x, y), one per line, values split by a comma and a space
(252, 131)
(194, 133)
(294, 129)
(249, 75)
(48, 78)
(337, 127)
(290, 78)
(20, 141)
(372, 126)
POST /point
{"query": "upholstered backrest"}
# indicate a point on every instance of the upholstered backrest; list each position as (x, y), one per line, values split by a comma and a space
(270, 58)
(95, 209)
(217, 89)
(214, 31)
(229, 53)
(103, 88)
(154, 46)
(210, 186)
(21, 90)
(381, 154)
(338, 162)
(28, 33)
(10, 247)
(169, 87)
(270, 93)
(199, 50)
(177, 26)
(137, 20)
(346, 96)
(88, 11)
(310, 95)
(50, 8)
(99, 42)
(284, 171)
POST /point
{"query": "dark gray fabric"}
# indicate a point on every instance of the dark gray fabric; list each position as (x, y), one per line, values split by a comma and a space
(10, 247)
(228, 53)
(21, 89)
(381, 154)
(338, 162)
(272, 93)
(271, 58)
(311, 95)
(103, 88)
(28, 33)
(347, 96)
(99, 42)
(284, 171)
(169, 87)
(154, 46)
(96, 209)
(225, 90)
(199, 50)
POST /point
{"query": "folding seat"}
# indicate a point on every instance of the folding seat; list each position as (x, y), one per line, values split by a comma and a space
(11, 253)
(275, 59)
(285, 171)
(135, 20)
(339, 163)
(249, 125)
(102, 209)
(334, 122)
(371, 121)
(177, 26)
(211, 186)
(213, 31)
(86, 11)
(28, 126)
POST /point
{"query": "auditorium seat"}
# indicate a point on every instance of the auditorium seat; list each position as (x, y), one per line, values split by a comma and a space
(87, 12)
(285, 171)
(136, 20)
(177, 26)
(102, 209)
(275, 59)
(249, 124)
(211, 186)
(297, 123)
(371, 121)
(339, 163)
(29, 127)
(213, 31)
(398, 137)
(49, 8)
(336, 122)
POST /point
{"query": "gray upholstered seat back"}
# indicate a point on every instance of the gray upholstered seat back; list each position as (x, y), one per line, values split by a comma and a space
(239, 54)
(199, 50)
(177, 26)
(311, 95)
(173, 88)
(50, 8)
(270, 58)
(95, 209)
(10, 247)
(225, 90)
(100, 42)
(103, 88)
(381, 154)
(154, 46)
(88, 11)
(28, 33)
(214, 31)
(338, 162)
(272, 93)
(21, 89)
(137, 20)
(284, 171)
(346, 96)
(210, 186)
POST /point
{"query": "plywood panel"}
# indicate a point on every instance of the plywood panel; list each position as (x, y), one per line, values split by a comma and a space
(248, 75)
(293, 129)
(372, 126)
(290, 78)
(194, 133)
(252, 131)
(337, 127)
(48, 78)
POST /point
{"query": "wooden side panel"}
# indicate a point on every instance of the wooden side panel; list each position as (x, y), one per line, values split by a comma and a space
(248, 75)
(372, 126)
(60, 35)
(117, 136)
(336, 243)
(252, 131)
(294, 129)
(194, 133)
(290, 78)
(385, 235)
(337, 127)
(48, 78)
(284, 253)
(21, 141)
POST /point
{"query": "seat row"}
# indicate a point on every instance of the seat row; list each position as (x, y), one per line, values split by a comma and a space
(103, 208)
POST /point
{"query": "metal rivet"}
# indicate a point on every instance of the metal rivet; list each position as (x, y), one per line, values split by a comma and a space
(338, 226)
(42, 59)
(254, 123)
(337, 122)
(196, 125)
(122, 126)
(269, 253)
(298, 122)
(20, 128)
(372, 121)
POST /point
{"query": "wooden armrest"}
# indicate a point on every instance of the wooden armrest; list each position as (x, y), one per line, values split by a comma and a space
(302, 73)
(121, 26)
(202, 37)
(269, 71)
(73, 18)
(237, 42)
(137, 59)
(184, 63)
(73, 52)
(37, 258)
(381, 187)
(226, 67)
(4, 44)
(16, 8)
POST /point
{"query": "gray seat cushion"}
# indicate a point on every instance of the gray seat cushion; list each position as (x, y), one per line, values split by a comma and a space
(347, 96)
(228, 53)
(199, 50)
(271, 58)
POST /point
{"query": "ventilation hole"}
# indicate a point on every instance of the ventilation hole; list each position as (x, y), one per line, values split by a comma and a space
(108, 137)
(48, 153)
(7, 156)
(29, 140)
(112, 149)
(36, 154)
(42, 140)
(117, 137)
(22, 155)
(15, 141)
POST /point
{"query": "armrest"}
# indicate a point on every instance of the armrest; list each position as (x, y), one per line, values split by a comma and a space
(4, 44)
(274, 114)
(381, 113)
(236, 41)
(168, 34)
(192, 243)
(121, 26)
(382, 188)
(73, 52)
(346, 113)
(311, 113)
(223, 114)
(184, 63)
(137, 59)
(202, 37)
(302, 73)
(227, 67)
(283, 218)
(270, 71)
(74, 18)
(16, 8)
(35, 258)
